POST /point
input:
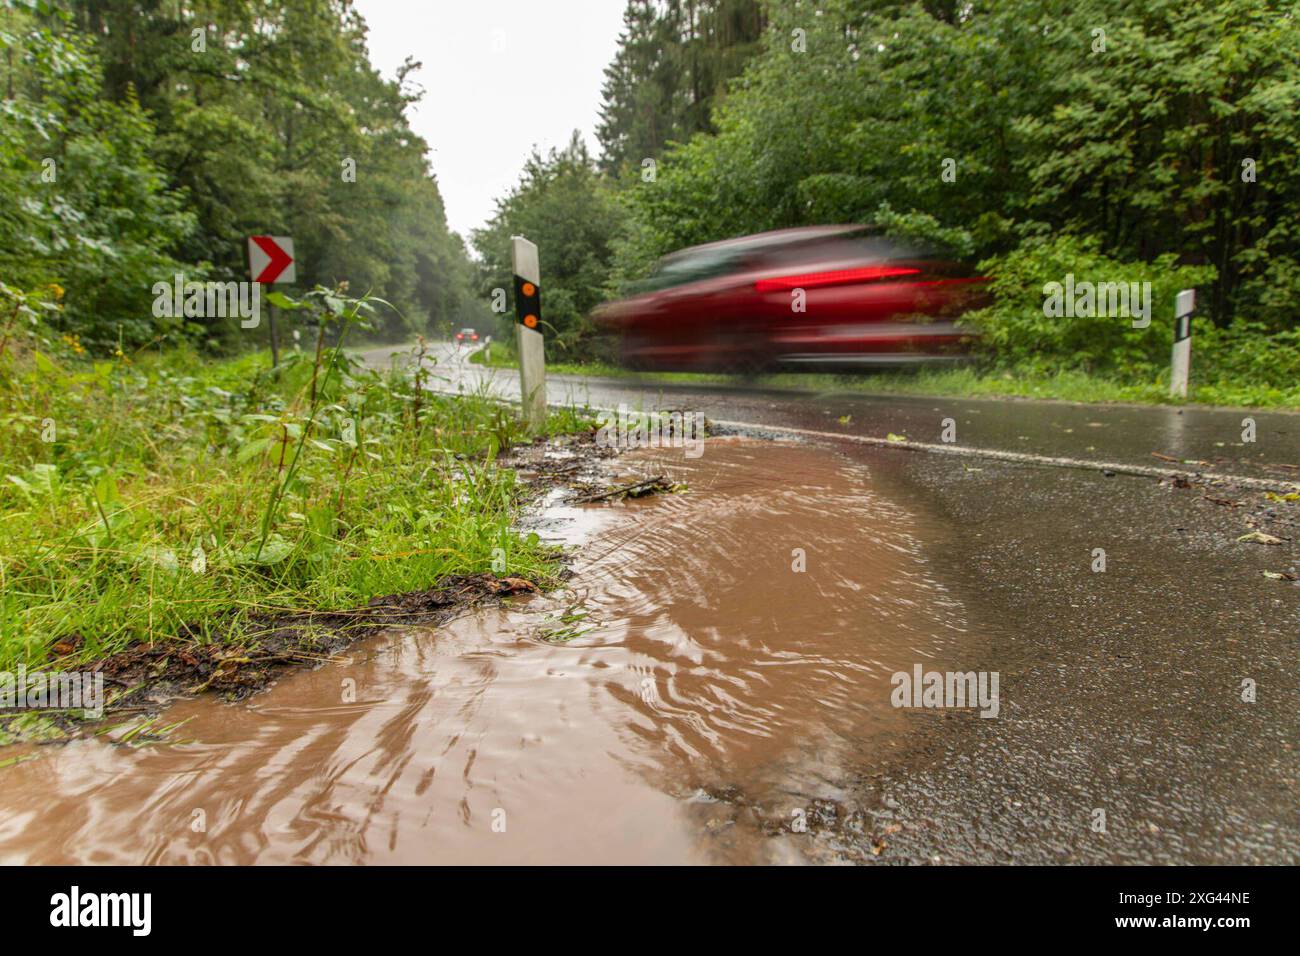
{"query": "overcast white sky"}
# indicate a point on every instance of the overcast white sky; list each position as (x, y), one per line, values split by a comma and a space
(499, 76)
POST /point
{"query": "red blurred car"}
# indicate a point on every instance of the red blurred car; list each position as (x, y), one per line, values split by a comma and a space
(816, 296)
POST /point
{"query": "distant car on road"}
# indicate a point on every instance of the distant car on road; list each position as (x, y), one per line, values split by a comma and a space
(466, 336)
(832, 296)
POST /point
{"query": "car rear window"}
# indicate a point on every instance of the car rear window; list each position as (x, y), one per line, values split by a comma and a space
(679, 270)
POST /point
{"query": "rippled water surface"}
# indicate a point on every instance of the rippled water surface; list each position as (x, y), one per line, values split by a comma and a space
(695, 687)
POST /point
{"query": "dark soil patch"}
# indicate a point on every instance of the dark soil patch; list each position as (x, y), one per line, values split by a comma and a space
(152, 674)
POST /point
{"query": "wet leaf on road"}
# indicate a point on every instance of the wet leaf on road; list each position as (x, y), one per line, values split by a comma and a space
(1259, 537)
(515, 585)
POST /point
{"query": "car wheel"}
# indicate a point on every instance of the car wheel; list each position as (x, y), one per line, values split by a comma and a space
(630, 353)
(743, 358)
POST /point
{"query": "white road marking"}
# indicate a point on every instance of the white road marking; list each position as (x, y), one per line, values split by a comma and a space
(1014, 457)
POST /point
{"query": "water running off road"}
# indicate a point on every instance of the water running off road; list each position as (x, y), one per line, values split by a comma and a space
(709, 692)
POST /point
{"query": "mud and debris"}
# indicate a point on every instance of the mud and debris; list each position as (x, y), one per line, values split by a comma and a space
(635, 489)
(560, 461)
(156, 673)
(145, 677)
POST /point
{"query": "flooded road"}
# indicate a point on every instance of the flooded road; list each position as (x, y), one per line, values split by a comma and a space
(719, 664)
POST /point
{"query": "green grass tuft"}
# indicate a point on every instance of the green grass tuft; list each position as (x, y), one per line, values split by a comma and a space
(132, 496)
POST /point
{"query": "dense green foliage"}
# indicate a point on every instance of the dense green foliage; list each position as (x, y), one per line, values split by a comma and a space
(1016, 328)
(141, 138)
(1137, 125)
(1241, 362)
(146, 138)
(83, 206)
(1118, 141)
(673, 61)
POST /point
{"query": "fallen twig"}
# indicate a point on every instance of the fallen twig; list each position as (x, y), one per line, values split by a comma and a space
(634, 490)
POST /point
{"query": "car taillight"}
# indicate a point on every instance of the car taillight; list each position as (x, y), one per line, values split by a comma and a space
(473, 338)
(810, 280)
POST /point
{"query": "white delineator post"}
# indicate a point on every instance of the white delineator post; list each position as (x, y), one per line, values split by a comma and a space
(1181, 362)
(528, 325)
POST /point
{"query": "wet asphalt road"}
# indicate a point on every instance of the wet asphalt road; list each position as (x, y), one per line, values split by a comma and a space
(1123, 735)
(1212, 438)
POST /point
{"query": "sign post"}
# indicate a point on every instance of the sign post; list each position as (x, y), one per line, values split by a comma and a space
(1181, 362)
(528, 325)
(270, 260)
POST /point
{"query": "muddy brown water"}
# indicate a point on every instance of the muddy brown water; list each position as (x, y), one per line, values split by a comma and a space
(706, 694)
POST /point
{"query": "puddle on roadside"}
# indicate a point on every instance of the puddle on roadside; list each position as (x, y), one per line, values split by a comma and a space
(709, 688)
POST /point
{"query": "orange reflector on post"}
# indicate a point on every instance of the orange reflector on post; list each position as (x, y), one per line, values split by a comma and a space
(528, 302)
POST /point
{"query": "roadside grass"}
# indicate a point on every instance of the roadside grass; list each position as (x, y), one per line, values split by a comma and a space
(172, 495)
(963, 381)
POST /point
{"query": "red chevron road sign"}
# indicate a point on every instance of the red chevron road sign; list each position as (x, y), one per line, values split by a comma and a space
(270, 259)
